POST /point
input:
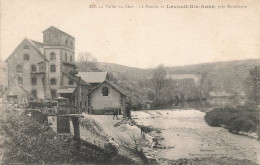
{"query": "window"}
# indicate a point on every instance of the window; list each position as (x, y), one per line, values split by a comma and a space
(66, 42)
(71, 43)
(53, 68)
(34, 93)
(34, 81)
(70, 58)
(26, 47)
(26, 57)
(105, 91)
(71, 82)
(53, 56)
(20, 81)
(19, 69)
(33, 68)
(66, 57)
(53, 81)
(53, 94)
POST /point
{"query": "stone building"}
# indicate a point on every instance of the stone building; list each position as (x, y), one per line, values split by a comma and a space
(47, 70)
(103, 97)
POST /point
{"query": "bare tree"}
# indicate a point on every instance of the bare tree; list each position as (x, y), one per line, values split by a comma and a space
(87, 61)
(158, 79)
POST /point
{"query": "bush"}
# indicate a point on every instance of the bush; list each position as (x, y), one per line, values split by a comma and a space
(28, 142)
(236, 119)
(242, 124)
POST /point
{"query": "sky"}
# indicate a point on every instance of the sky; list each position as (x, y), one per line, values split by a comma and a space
(139, 37)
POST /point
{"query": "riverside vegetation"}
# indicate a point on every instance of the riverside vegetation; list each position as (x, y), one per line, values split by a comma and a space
(234, 119)
(25, 140)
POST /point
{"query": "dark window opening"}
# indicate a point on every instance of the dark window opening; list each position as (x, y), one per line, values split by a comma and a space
(26, 57)
(20, 81)
(53, 56)
(66, 57)
(19, 69)
(33, 68)
(70, 58)
(66, 42)
(53, 94)
(105, 91)
(34, 93)
(34, 81)
(53, 81)
(71, 82)
(53, 68)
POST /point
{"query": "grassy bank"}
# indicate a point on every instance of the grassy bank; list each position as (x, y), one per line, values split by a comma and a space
(26, 141)
(234, 119)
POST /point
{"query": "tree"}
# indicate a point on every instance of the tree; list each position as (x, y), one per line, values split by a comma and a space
(87, 62)
(253, 85)
(158, 80)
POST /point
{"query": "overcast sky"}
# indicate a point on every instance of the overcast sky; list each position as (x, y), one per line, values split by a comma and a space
(138, 37)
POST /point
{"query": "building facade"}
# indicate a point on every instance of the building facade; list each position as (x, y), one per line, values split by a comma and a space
(47, 70)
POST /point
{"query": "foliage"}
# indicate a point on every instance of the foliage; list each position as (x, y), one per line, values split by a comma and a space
(87, 62)
(234, 119)
(27, 141)
(252, 85)
(242, 124)
(158, 79)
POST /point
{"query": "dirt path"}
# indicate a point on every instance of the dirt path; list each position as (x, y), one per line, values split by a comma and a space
(190, 136)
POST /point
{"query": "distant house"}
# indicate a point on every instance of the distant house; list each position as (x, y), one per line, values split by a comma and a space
(185, 85)
(18, 95)
(104, 97)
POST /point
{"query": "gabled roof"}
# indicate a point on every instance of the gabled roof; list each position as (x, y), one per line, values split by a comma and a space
(75, 79)
(38, 46)
(10, 91)
(93, 77)
(52, 28)
(195, 78)
(107, 82)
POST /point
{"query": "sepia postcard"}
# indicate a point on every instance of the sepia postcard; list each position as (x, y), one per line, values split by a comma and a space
(130, 82)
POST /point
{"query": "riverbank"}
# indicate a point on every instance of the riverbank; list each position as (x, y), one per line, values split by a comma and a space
(190, 138)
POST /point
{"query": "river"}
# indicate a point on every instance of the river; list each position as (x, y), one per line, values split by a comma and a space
(191, 137)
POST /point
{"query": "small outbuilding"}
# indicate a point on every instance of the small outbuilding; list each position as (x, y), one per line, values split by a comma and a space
(106, 98)
(18, 95)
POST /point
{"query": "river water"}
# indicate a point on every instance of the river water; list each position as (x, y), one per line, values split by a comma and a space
(191, 137)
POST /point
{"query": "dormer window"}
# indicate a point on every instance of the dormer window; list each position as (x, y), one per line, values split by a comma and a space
(26, 57)
(53, 56)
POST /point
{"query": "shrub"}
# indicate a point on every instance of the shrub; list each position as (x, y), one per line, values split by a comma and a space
(236, 119)
(242, 124)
